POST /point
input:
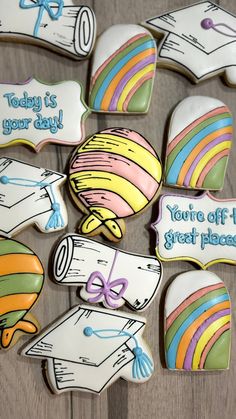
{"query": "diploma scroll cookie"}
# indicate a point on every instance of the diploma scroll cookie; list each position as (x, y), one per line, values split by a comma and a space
(108, 275)
(197, 323)
(55, 24)
(198, 40)
(123, 70)
(35, 113)
(114, 174)
(99, 346)
(30, 195)
(199, 229)
(21, 282)
(199, 143)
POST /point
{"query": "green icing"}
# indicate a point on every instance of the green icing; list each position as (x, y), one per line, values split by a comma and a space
(11, 246)
(141, 99)
(10, 319)
(110, 66)
(20, 284)
(218, 356)
(190, 135)
(215, 178)
(188, 311)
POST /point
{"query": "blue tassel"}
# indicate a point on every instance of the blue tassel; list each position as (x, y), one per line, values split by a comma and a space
(142, 364)
(55, 220)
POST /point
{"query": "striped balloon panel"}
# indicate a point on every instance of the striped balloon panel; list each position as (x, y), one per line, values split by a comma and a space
(21, 280)
(198, 156)
(124, 82)
(113, 172)
(198, 326)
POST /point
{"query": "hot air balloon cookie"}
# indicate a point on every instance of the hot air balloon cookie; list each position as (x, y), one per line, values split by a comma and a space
(199, 143)
(113, 175)
(123, 70)
(197, 323)
(21, 281)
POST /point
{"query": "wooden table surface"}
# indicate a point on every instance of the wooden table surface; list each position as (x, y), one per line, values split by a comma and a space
(23, 393)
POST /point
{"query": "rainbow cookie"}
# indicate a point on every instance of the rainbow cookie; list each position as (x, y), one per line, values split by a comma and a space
(199, 143)
(114, 174)
(89, 348)
(197, 323)
(198, 40)
(123, 70)
(36, 113)
(59, 25)
(21, 281)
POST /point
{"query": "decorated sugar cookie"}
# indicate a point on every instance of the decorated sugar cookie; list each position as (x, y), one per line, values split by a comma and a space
(98, 347)
(198, 40)
(21, 281)
(35, 113)
(197, 323)
(199, 229)
(107, 275)
(59, 25)
(199, 143)
(114, 174)
(123, 70)
(30, 195)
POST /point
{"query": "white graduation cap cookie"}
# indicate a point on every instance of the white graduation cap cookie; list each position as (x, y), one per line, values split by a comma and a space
(197, 323)
(111, 276)
(30, 195)
(198, 40)
(90, 348)
(123, 70)
(59, 25)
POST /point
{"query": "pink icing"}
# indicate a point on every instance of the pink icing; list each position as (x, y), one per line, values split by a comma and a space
(106, 199)
(131, 135)
(118, 165)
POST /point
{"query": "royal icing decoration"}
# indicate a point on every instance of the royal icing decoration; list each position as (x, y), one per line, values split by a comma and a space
(98, 347)
(56, 24)
(114, 174)
(35, 113)
(198, 40)
(21, 281)
(199, 229)
(197, 323)
(123, 70)
(199, 143)
(30, 195)
(111, 276)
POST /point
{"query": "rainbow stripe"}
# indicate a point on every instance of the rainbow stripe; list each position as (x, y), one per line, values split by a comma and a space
(125, 75)
(197, 334)
(198, 156)
(115, 174)
(21, 281)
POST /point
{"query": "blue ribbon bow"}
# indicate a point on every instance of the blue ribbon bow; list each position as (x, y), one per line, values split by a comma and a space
(44, 5)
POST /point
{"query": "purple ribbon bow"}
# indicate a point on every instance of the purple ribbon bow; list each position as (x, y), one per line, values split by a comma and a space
(106, 290)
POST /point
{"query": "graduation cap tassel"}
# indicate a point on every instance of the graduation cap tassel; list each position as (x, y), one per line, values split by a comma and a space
(142, 365)
(208, 23)
(55, 220)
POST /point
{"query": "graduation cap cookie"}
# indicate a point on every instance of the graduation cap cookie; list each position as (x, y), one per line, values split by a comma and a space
(108, 275)
(199, 143)
(197, 323)
(30, 195)
(90, 348)
(198, 40)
